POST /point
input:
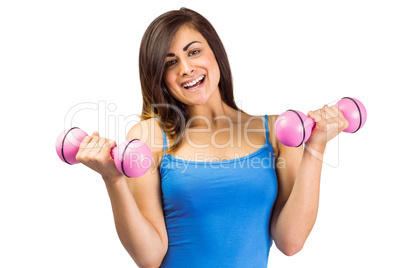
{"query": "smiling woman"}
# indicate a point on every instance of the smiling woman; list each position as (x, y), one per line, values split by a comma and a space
(215, 195)
(192, 74)
(164, 49)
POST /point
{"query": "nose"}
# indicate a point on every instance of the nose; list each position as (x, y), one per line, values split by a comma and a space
(186, 68)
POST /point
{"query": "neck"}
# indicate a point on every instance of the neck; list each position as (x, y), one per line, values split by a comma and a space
(213, 114)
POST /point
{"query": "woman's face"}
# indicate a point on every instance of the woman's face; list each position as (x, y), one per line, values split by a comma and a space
(191, 71)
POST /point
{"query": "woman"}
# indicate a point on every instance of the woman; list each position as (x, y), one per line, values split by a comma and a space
(221, 187)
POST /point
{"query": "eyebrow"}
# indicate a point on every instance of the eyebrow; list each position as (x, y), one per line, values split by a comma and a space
(184, 48)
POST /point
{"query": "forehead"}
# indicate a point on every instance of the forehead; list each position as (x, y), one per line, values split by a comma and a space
(185, 35)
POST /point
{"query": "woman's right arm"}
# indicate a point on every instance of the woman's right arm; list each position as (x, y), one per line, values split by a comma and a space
(137, 205)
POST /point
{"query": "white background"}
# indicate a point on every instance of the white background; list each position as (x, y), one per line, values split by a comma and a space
(60, 59)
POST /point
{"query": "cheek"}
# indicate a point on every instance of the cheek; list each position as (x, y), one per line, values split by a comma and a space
(168, 78)
(212, 65)
(215, 72)
(170, 82)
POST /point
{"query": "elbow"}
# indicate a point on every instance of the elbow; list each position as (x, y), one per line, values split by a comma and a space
(148, 262)
(154, 262)
(291, 249)
(149, 265)
(147, 258)
(290, 243)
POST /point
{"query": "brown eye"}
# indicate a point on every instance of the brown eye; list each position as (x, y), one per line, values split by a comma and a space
(170, 63)
(194, 52)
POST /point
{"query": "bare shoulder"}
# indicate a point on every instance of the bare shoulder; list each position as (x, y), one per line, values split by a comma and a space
(150, 132)
(255, 122)
(272, 136)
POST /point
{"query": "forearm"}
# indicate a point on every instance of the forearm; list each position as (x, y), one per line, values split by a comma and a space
(137, 235)
(298, 215)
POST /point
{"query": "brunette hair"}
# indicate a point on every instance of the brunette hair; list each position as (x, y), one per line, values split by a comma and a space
(157, 102)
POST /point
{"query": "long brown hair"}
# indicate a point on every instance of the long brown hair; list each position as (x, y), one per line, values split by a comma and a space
(157, 102)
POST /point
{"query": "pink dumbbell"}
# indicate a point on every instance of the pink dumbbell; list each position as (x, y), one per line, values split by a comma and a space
(293, 128)
(132, 158)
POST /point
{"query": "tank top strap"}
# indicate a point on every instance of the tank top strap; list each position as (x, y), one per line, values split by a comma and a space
(266, 127)
(164, 135)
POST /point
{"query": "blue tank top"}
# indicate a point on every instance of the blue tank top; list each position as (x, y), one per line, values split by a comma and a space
(218, 213)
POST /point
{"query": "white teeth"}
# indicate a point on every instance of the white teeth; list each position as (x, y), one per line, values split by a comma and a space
(193, 82)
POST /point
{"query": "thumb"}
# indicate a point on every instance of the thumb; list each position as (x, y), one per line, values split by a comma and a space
(95, 133)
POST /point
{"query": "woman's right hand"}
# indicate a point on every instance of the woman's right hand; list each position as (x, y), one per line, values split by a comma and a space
(94, 152)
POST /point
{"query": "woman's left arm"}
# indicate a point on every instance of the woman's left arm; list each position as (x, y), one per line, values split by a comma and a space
(299, 172)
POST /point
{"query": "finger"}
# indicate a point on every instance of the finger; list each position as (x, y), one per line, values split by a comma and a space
(110, 144)
(333, 121)
(99, 145)
(85, 142)
(343, 123)
(323, 112)
(96, 133)
(93, 142)
(341, 120)
(316, 115)
(339, 112)
(107, 146)
(312, 112)
(333, 111)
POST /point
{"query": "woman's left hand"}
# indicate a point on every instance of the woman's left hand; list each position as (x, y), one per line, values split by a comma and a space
(329, 123)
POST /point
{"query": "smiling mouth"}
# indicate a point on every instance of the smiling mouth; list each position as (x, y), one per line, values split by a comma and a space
(194, 84)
